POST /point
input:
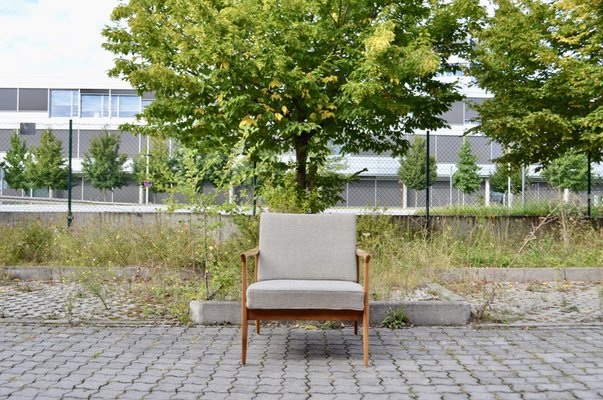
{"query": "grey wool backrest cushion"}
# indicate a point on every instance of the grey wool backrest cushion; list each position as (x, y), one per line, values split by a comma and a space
(307, 246)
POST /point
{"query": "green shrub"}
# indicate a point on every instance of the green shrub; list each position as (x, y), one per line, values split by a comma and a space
(395, 319)
(26, 243)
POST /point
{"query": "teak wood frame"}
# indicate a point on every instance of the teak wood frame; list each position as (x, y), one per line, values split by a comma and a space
(305, 314)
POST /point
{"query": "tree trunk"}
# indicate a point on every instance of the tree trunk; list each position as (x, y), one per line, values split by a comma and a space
(300, 143)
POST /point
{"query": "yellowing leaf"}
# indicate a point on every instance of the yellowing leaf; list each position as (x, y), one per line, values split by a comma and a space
(275, 96)
(278, 116)
(247, 121)
(326, 114)
(225, 65)
(330, 78)
(274, 83)
(285, 110)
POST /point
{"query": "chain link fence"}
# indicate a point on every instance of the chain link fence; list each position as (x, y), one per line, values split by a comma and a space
(379, 187)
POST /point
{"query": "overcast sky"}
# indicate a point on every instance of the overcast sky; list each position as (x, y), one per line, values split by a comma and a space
(54, 38)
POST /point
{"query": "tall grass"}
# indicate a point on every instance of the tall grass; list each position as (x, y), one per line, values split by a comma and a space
(403, 258)
(531, 208)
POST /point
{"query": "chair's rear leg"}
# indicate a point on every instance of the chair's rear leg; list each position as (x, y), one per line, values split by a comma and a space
(257, 326)
(365, 336)
(244, 339)
(355, 327)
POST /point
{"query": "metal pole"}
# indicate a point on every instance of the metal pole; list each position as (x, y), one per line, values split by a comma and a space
(428, 183)
(146, 188)
(523, 186)
(253, 184)
(588, 187)
(69, 176)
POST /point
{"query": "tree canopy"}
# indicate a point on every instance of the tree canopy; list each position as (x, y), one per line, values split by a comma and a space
(543, 62)
(293, 76)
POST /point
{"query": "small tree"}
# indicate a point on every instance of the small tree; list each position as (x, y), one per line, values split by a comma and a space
(45, 165)
(499, 180)
(103, 164)
(14, 163)
(569, 172)
(158, 168)
(413, 167)
(466, 178)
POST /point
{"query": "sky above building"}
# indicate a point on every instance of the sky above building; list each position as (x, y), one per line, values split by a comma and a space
(54, 38)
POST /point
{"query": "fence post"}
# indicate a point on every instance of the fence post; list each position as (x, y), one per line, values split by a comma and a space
(588, 186)
(428, 183)
(523, 186)
(69, 176)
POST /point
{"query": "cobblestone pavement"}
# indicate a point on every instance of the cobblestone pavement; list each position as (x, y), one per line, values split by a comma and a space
(540, 302)
(286, 363)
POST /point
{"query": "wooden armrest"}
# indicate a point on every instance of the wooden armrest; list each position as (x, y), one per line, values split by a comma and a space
(362, 253)
(250, 253)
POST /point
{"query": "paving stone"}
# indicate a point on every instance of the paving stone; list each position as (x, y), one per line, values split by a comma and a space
(160, 363)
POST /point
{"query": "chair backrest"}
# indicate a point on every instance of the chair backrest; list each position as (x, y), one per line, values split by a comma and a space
(307, 246)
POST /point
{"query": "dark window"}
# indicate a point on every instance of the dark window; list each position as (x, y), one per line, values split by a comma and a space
(8, 99)
(471, 115)
(33, 99)
(454, 116)
(448, 148)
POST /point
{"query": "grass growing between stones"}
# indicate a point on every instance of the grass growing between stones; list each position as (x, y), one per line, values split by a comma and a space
(185, 267)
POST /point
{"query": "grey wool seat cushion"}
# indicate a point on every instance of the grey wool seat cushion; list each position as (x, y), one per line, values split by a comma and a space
(305, 294)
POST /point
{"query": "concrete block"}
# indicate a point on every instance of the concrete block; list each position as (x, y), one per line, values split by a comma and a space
(215, 312)
(28, 273)
(592, 274)
(424, 313)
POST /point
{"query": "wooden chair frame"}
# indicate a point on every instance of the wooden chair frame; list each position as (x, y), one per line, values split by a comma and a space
(305, 314)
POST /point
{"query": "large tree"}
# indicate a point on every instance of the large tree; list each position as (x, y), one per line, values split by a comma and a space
(14, 163)
(103, 165)
(293, 76)
(45, 165)
(543, 62)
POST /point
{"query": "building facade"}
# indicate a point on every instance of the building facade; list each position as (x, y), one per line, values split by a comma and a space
(30, 106)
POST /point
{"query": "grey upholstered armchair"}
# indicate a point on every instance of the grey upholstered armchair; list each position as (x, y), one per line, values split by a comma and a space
(306, 268)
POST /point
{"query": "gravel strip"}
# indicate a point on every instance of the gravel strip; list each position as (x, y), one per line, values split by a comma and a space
(541, 302)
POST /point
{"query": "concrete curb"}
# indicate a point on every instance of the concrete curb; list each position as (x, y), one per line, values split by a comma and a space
(590, 274)
(423, 313)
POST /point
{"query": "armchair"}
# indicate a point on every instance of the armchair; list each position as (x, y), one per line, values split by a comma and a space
(306, 267)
